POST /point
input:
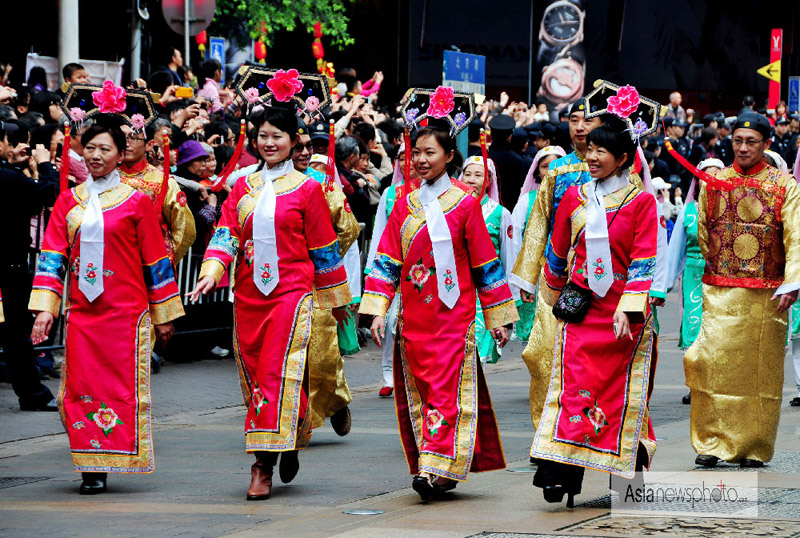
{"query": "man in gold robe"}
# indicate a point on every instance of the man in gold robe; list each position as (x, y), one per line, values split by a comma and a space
(749, 233)
(174, 217)
(329, 395)
(564, 173)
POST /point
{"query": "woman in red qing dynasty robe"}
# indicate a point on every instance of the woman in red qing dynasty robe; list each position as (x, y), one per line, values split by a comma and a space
(596, 412)
(447, 424)
(284, 261)
(104, 239)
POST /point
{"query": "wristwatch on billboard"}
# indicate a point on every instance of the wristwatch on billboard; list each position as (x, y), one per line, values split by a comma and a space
(561, 56)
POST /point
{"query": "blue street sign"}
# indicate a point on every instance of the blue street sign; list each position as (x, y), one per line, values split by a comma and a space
(464, 72)
(216, 50)
(794, 94)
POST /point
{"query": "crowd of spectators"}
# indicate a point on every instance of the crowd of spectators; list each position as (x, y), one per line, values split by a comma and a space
(201, 117)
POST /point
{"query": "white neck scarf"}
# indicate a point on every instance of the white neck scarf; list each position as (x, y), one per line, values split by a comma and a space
(90, 279)
(443, 256)
(600, 272)
(265, 243)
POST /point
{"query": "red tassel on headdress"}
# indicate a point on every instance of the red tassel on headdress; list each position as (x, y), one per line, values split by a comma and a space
(704, 176)
(64, 172)
(162, 193)
(486, 176)
(329, 169)
(231, 166)
(637, 164)
(406, 163)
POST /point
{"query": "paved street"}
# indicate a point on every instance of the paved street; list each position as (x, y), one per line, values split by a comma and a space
(202, 472)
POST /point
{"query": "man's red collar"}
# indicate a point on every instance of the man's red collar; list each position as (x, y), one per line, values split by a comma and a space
(134, 168)
(753, 170)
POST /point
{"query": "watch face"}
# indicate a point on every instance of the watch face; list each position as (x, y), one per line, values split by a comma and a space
(562, 21)
(563, 80)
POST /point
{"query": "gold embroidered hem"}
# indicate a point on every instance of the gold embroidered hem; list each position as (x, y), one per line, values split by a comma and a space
(213, 268)
(548, 294)
(457, 467)
(735, 372)
(293, 432)
(45, 301)
(167, 311)
(328, 390)
(538, 354)
(141, 461)
(500, 315)
(551, 442)
(373, 305)
(635, 303)
(333, 297)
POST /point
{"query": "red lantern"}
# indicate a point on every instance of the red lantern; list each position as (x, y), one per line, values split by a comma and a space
(318, 29)
(201, 39)
(260, 51)
(317, 50)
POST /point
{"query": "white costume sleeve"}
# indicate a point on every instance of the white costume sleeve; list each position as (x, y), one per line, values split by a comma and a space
(352, 266)
(659, 286)
(518, 219)
(240, 173)
(507, 253)
(377, 231)
(677, 251)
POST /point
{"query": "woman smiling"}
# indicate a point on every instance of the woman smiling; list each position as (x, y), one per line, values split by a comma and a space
(437, 250)
(598, 276)
(104, 240)
(286, 259)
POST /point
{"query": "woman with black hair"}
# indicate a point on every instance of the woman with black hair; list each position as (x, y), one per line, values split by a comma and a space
(48, 104)
(286, 260)
(37, 79)
(436, 252)
(104, 240)
(598, 276)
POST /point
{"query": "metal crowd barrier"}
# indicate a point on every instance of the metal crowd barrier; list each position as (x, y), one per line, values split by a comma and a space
(187, 272)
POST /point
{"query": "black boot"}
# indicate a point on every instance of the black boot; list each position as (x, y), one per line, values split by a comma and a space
(289, 466)
(93, 483)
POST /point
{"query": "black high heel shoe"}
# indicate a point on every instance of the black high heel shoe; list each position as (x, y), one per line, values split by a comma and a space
(555, 494)
(423, 486)
(93, 483)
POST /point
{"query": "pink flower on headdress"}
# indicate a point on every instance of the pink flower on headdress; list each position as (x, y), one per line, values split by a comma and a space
(625, 102)
(442, 102)
(77, 114)
(251, 95)
(312, 104)
(111, 99)
(285, 84)
(137, 122)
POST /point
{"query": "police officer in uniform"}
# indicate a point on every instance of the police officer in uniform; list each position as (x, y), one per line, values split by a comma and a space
(511, 166)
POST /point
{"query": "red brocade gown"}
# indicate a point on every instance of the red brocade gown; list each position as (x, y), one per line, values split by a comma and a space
(447, 424)
(105, 379)
(271, 332)
(596, 412)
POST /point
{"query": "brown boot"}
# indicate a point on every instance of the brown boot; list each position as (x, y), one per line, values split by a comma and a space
(261, 476)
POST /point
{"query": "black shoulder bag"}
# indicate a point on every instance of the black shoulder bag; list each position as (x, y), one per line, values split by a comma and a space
(574, 301)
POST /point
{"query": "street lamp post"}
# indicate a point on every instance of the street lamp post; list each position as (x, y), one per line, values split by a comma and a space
(68, 32)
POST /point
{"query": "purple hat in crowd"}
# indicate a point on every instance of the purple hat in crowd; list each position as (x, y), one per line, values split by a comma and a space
(189, 151)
